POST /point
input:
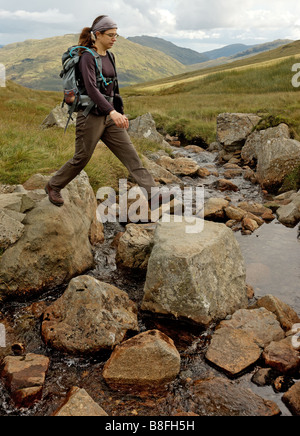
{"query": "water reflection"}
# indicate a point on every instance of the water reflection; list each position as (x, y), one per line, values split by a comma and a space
(272, 256)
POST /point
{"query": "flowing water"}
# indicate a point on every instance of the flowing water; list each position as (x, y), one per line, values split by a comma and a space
(272, 256)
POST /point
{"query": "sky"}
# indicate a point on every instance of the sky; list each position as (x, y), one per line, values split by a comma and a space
(201, 25)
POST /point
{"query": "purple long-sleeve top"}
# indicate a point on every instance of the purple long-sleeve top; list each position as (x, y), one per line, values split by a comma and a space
(88, 72)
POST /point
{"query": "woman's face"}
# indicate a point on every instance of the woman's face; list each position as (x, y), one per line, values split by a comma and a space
(108, 38)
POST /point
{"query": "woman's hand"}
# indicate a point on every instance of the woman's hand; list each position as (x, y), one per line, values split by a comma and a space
(120, 120)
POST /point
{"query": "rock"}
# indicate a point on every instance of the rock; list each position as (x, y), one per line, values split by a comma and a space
(264, 377)
(25, 377)
(197, 276)
(194, 149)
(226, 185)
(235, 213)
(282, 357)
(276, 154)
(135, 245)
(180, 166)
(260, 324)
(11, 230)
(292, 399)
(58, 117)
(289, 214)
(17, 202)
(160, 174)
(250, 224)
(149, 359)
(203, 172)
(254, 208)
(214, 208)
(79, 403)
(89, 317)
(233, 350)
(55, 245)
(283, 312)
(145, 127)
(233, 129)
(221, 397)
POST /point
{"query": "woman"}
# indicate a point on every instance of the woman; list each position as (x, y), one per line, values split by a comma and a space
(104, 121)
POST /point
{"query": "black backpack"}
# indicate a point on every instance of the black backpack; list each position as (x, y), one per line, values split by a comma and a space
(75, 95)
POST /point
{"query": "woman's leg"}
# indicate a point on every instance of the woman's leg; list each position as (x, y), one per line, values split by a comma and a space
(118, 141)
(88, 133)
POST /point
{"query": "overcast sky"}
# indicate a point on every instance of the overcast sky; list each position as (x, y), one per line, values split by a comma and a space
(198, 24)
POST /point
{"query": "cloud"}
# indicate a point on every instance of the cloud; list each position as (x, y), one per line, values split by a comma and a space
(215, 22)
(48, 16)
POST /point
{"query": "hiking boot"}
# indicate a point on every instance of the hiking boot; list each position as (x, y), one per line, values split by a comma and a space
(54, 196)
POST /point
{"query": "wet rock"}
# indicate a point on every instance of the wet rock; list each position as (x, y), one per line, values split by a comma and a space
(79, 403)
(180, 166)
(226, 185)
(234, 128)
(160, 174)
(149, 359)
(25, 377)
(214, 208)
(89, 317)
(221, 397)
(58, 117)
(282, 357)
(292, 399)
(289, 214)
(56, 242)
(276, 155)
(235, 213)
(283, 312)
(135, 245)
(264, 377)
(208, 267)
(249, 224)
(233, 350)
(260, 324)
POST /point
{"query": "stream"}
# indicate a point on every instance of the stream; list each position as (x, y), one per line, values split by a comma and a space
(272, 259)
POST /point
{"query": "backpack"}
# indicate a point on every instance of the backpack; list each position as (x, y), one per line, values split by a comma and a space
(75, 95)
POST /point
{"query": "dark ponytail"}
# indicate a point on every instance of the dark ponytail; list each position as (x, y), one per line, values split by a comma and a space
(87, 38)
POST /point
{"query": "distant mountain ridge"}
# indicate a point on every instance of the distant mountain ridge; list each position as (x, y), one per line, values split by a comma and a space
(185, 56)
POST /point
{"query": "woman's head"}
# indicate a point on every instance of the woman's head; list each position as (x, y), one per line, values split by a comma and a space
(103, 31)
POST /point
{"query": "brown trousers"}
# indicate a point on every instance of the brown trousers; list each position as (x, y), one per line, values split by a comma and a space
(89, 131)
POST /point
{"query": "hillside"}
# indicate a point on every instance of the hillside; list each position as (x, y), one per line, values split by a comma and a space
(264, 59)
(188, 105)
(185, 56)
(37, 63)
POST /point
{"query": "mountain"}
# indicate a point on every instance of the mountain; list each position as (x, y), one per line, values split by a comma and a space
(228, 50)
(37, 63)
(255, 49)
(185, 56)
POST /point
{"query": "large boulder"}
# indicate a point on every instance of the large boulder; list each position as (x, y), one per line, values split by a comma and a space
(233, 129)
(89, 317)
(51, 245)
(275, 152)
(200, 276)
